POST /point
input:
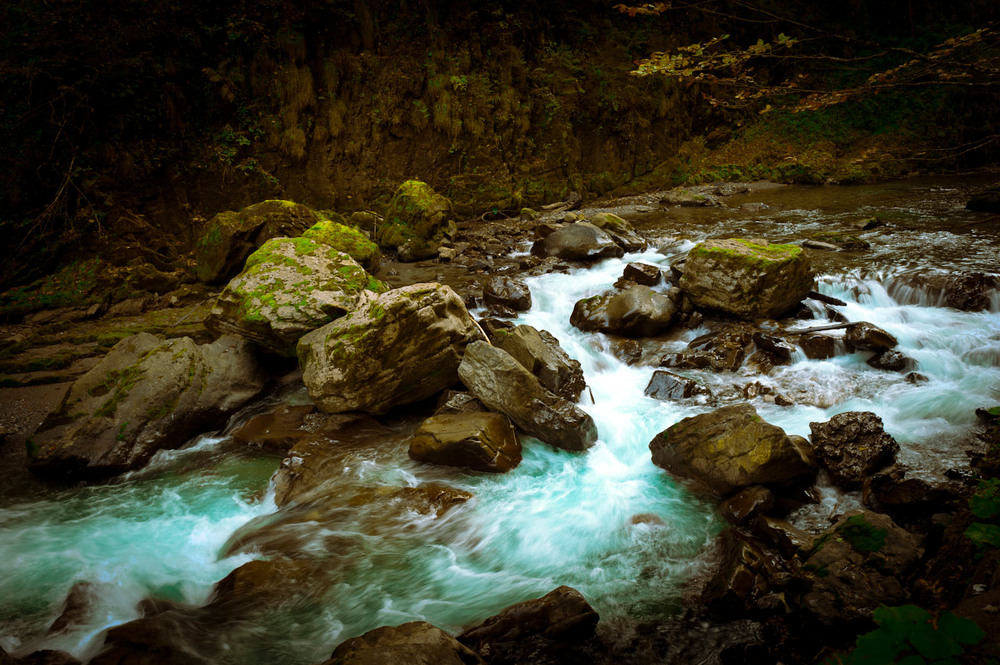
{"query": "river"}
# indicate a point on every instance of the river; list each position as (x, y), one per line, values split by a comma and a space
(608, 522)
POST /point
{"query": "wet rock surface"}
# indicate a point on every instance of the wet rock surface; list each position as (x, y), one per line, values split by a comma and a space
(578, 242)
(416, 643)
(540, 353)
(851, 446)
(480, 441)
(638, 311)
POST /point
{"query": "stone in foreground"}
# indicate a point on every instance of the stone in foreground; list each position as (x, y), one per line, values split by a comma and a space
(481, 441)
(746, 279)
(289, 287)
(414, 643)
(504, 385)
(729, 449)
(402, 347)
(147, 394)
(852, 446)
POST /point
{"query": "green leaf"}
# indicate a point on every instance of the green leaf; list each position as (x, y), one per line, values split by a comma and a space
(987, 534)
(993, 410)
(913, 659)
(878, 646)
(933, 644)
(960, 629)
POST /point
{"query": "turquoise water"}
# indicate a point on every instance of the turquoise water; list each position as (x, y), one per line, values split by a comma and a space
(607, 522)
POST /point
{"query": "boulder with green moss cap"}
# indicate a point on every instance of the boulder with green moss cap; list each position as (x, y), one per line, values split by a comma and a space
(348, 240)
(230, 237)
(401, 347)
(289, 287)
(416, 222)
(147, 394)
(745, 278)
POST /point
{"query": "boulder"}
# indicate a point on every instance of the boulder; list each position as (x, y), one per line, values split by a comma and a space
(747, 504)
(747, 578)
(746, 279)
(686, 199)
(638, 311)
(230, 237)
(620, 231)
(540, 353)
(147, 394)
(348, 240)
(482, 441)
(852, 446)
(892, 361)
(578, 242)
(859, 564)
(986, 200)
(729, 449)
(846, 242)
(506, 292)
(779, 349)
(417, 220)
(414, 643)
(643, 273)
(504, 385)
(402, 347)
(668, 386)
(276, 430)
(456, 401)
(818, 347)
(908, 500)
(562, 614)
(289, 287)
(722, 351)
(864, 336)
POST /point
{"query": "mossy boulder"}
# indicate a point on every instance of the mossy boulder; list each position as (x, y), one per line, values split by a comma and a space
(745, 278)
(731, 448)
(289, 287)
(230, 237)
(146, 395)
(620, 231)
(348, 240)
(77, 284)
(401, 347)
(417, 220)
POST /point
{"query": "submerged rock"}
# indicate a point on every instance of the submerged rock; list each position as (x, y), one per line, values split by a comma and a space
(560, 615)
(730, 448)
(504, 385)
(414, 643)
(852, 446)
(746, 279)
(540, 353)
(147, 394)
(402, 347)
(289, 287)
(578, 242)
(417, 220)
(481, 441)
(638, 311)
(230, 237)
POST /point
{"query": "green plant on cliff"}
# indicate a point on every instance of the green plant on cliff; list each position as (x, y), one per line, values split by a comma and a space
(910, 635)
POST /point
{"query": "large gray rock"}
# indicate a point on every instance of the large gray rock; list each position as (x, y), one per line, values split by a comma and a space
(562, 614)
(482, 441)
(620, 231)
(504, 385)
(729, 449)
(289, 287)
(746, 279)
(578, 242)
(230, 237)
(540, 353)
(401, 347)
(856, 566)
(147, 394)
(638, 311)
(414, 643)
(852, 446)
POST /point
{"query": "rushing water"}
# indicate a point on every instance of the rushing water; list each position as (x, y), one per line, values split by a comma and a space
(607, 522)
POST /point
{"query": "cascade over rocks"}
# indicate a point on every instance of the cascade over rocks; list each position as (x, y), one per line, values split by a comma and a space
(289, 287)
(852, 446)
(562, 614)
(722, 351)
(230, 237)
(414, 643)
(859, 564)
(482, 441)
(746, 279)
(402, 347)
(864, 336)
(540, 353)
(638, 311)
(620, 231)
(504, 385)
(578, 242)
(729, 449)
(147, 394)
(348, 240)
(417, 221)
